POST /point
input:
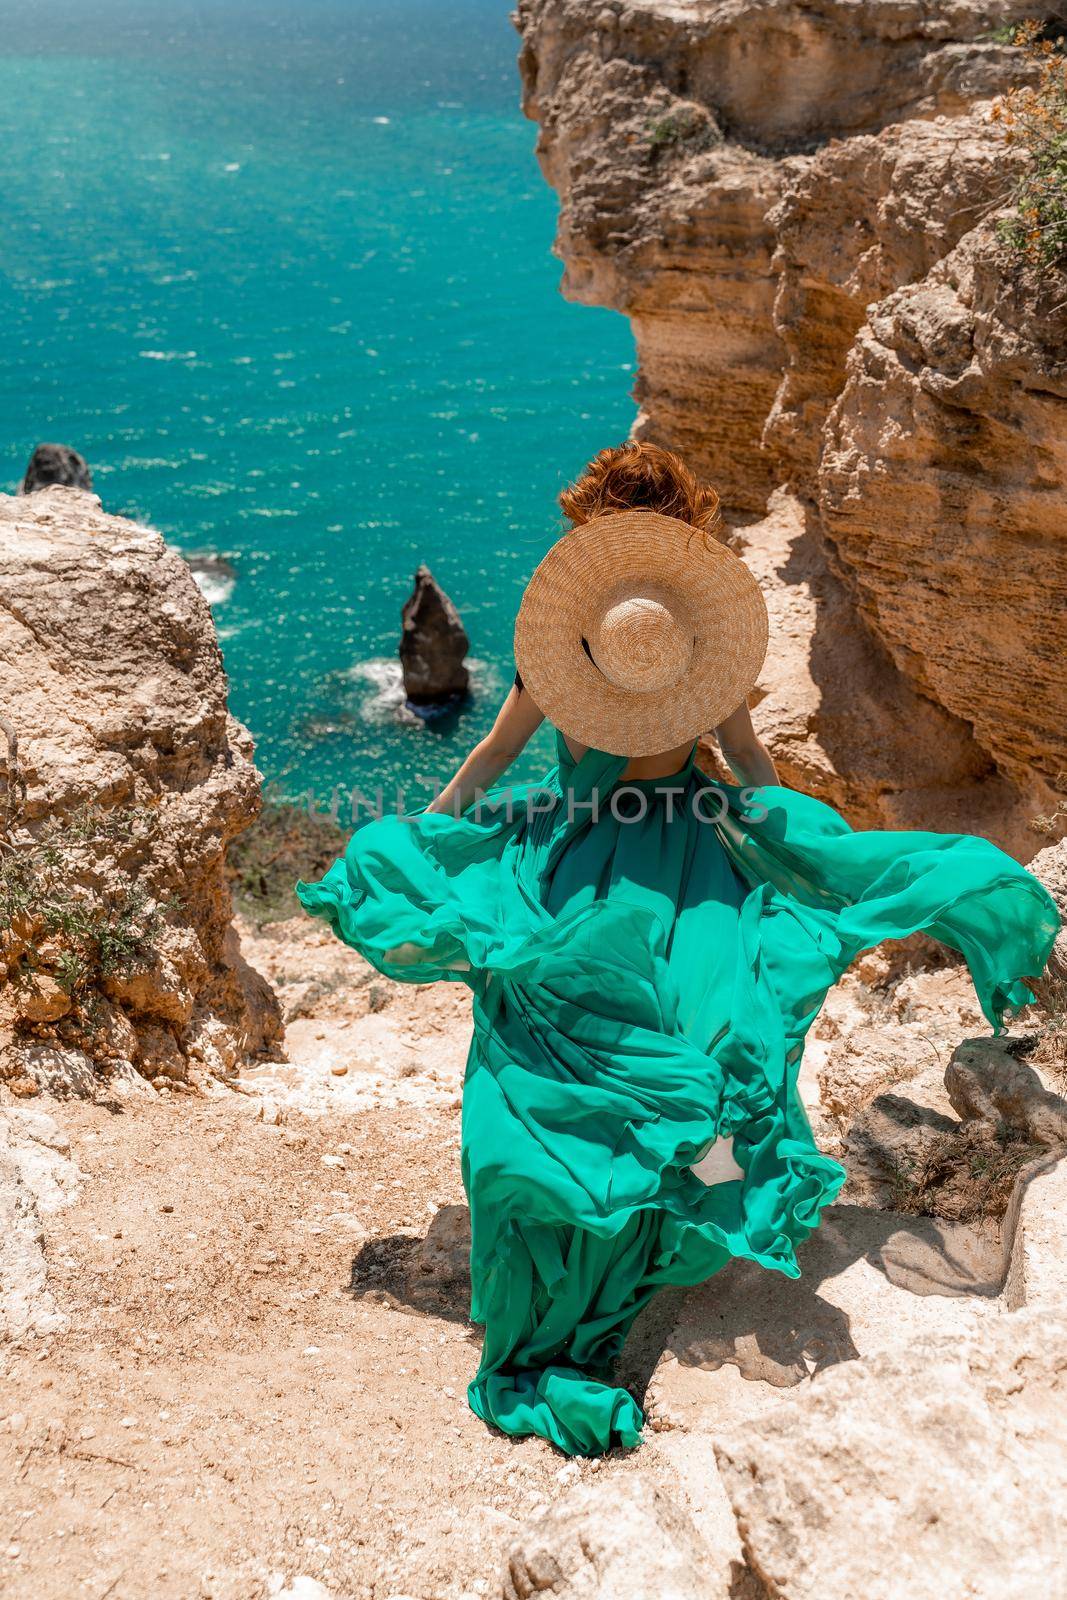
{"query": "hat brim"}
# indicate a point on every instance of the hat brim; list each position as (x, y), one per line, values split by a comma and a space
(643, 553)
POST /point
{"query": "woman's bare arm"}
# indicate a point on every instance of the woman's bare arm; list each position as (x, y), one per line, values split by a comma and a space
(746, 757)
(517, 721)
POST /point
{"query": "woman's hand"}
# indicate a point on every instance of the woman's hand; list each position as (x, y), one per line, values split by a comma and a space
(746, 757)
(517, 721)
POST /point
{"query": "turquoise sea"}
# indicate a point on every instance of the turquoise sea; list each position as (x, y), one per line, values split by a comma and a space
(282, 273)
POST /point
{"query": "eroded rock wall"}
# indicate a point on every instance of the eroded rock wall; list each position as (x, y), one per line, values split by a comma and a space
(843, 721)
(663, 129)
(943, 486)
(795, 206)
(662, 219)
(123, 778)
(857, 220)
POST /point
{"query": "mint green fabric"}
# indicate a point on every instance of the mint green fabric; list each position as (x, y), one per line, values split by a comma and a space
(642, 982)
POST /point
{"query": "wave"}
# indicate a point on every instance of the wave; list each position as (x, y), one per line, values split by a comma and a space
(215, 578)
(386, 702)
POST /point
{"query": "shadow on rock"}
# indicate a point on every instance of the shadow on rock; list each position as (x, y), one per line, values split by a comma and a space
(775, 1330)
(429, 1276)
(781, 1331)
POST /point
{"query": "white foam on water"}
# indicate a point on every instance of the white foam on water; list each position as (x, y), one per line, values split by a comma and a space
(134, 463)
(386, 701)
(216, 587)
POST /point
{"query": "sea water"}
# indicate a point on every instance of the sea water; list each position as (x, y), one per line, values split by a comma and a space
(283, 274)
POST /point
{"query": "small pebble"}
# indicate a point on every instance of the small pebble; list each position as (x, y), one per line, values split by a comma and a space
(339, 1069)
(128, 1422)
(86, 1433)
(166, 1208)
(332, 1161)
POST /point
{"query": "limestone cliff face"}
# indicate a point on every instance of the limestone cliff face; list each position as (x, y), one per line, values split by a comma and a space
(123, 778)
(791, 203)
(857, 220)
(943, 485)
(663, 130)
(663, 220)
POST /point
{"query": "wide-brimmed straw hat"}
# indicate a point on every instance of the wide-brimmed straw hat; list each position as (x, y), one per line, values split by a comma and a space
(638, 632)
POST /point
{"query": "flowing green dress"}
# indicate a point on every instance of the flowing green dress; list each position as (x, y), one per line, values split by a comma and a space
(645, 960)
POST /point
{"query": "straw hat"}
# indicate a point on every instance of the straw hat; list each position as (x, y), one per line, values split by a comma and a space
(638, 632)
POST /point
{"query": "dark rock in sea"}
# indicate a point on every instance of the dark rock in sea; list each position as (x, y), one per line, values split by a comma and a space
(432, 647)
(56, 463)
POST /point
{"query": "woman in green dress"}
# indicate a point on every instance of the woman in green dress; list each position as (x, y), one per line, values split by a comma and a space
(645, 948)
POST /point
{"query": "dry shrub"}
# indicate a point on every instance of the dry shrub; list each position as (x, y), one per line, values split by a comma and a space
(1033, 115)
(966, 1175)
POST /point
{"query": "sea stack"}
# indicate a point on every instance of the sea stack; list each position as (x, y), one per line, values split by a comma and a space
(433, 645)
(56, 464)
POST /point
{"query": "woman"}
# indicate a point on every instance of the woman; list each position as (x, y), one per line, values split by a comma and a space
(646, 949)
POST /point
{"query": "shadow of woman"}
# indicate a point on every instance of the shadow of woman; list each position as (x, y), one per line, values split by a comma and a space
(774, 1329)
(782, 1331)
(426, 1276)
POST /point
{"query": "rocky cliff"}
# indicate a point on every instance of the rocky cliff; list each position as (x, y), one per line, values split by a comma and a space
(315, 1218)
(795, 206)
(122, 779)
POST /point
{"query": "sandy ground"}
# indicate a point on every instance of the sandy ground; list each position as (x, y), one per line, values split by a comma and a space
(256, 1383)
(264, 1372)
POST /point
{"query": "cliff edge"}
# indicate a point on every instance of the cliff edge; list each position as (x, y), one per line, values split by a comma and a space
(795, 205)
(123, 778)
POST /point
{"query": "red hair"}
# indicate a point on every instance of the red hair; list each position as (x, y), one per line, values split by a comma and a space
(641, 477)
